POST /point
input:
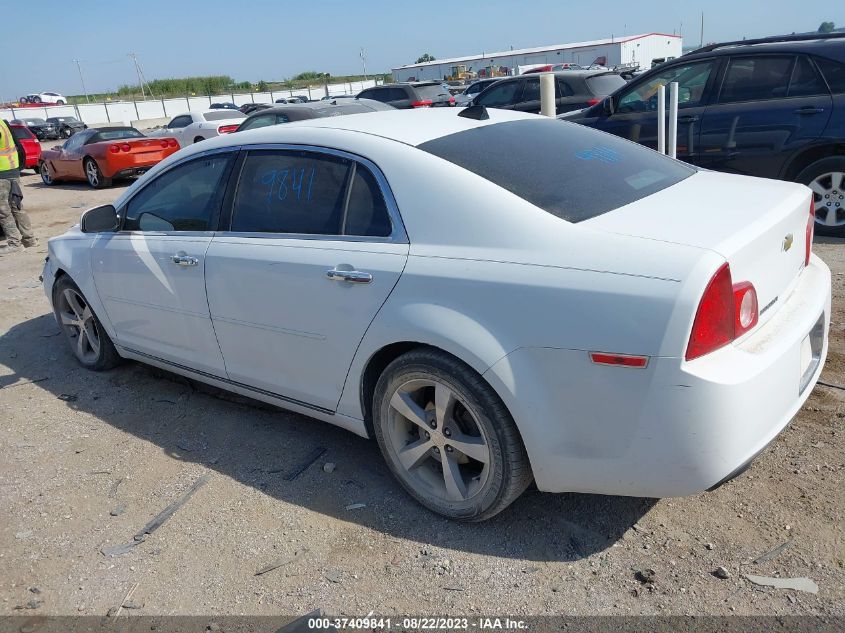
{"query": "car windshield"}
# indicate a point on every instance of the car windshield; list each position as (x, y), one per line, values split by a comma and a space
(115, 135)
(218, 115)
(63, 119)
(603, 85)
(34, 121)
(566, 169)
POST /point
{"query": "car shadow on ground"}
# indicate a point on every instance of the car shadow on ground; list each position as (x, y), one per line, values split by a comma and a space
(261, 446)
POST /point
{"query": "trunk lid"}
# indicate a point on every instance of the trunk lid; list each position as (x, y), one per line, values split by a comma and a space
(758, 225)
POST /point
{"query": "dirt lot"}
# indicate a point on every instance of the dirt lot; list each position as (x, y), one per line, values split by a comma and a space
(87, 459)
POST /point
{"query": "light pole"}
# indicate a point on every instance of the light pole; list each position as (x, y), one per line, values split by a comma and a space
(82, 79)
(364, 63)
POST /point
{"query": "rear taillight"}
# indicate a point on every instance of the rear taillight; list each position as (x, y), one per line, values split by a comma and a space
(451, 100)
(114, 149)
(592, 102)
(226, 129)
(125, 147)
(172, 142)
(726, 312)
(165, 143)
(425, 103)
(811, 227)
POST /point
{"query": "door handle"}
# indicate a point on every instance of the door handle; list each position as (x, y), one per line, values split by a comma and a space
(352, 276)
(184, 260)
(809, 110)
(690, 118)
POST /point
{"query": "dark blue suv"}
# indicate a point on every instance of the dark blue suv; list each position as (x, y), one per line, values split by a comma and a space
(773, 108)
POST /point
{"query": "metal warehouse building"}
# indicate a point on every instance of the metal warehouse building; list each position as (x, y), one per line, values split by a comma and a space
(643, 50)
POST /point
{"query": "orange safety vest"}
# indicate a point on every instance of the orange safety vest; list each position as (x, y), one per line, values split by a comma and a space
(8, 149)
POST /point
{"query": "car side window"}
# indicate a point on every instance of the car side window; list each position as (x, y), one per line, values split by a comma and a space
(756, 79)
(806, 80)
(563, 89)
(286, 191)
(259, 121)
(282, 118)
(499, 94)
(179, 122)
(366, 212)
(367, 94)
(692, 80)
(531, 89)
(834, 74)
(383, 95)
(73, 142)
(397, 94)
(185, 198)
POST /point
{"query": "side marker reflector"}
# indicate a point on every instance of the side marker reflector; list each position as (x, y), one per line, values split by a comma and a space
(622, 360)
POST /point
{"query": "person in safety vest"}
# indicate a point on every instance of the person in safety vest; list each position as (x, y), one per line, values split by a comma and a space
(13, 219)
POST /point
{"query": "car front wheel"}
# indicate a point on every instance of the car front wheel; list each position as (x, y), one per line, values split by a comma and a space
(826, 178)
(447, 437)
(83, 331)
(46, 174)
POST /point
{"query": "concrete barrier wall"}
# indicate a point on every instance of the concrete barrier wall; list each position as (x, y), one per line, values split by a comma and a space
(126, 112)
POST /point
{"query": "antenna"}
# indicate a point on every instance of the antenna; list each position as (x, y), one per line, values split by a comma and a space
(364, 63)
(82, 79)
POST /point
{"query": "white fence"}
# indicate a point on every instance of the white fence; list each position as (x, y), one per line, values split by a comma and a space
(125, 112)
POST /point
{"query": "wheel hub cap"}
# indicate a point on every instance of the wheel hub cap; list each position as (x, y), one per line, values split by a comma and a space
(79, 325)
(829, 198)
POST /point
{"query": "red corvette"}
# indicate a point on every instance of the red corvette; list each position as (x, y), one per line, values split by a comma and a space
(102, 154)
(29, 143)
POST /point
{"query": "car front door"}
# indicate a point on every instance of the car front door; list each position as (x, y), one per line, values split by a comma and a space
(176, 128)
(150, 275)
(315, 248)
(768, 107)
(68, 164)
(635, 112)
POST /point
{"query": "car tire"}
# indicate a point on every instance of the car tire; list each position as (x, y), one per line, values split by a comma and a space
(66, 133)
(60, 102)
(424, 448)
(94, 174)
(46, 175)
(37, 168)
(82, 330)
(822, 177)
(198, 139)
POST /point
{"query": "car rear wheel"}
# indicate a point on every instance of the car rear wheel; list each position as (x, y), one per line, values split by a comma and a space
(826, 178)
(95, 175)
(447, 437)
(82, 330)
(46, 174)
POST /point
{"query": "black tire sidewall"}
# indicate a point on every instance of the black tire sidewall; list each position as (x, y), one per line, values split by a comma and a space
(107, 357)
(813, 171)
(480, 398)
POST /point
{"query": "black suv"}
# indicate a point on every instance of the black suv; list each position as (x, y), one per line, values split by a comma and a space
(574, 89)
(772, 107)
(419, 94)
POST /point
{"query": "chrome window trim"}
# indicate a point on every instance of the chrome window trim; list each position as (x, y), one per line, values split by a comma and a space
(398, 235)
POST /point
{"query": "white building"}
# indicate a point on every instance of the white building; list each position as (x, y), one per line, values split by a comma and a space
(643, 50)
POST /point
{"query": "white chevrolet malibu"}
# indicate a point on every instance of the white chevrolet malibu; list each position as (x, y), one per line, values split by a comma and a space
(494, 297)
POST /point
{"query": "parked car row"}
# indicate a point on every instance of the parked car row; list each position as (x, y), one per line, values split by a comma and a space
(52, 127)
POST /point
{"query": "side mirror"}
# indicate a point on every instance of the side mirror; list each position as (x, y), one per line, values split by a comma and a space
(58, 148)
(609, 106)
(100, 220)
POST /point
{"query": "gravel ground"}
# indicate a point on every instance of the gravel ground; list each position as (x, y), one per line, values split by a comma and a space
(87, 459)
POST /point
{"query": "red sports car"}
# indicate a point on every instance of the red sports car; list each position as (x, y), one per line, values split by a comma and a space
(102, 154)
(30, 145)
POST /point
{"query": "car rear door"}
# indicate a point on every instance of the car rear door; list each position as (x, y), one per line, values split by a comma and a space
(150, 275)
(635, 106)
(315, 248)
(767, 108)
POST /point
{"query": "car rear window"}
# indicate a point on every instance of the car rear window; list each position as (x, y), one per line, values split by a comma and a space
(433, 92)
(22, 133)
(218, 115)
(114, 135)
(603, 85)
(571, 171)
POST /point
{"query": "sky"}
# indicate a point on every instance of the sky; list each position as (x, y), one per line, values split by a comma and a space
(273, 40)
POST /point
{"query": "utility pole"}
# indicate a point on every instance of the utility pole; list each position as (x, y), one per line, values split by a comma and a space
(702, 30)
(141, 79)
(364, 63)
(82, 79)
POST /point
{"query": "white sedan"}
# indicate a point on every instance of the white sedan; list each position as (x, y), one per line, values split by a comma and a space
(199, 125)
(584, 312)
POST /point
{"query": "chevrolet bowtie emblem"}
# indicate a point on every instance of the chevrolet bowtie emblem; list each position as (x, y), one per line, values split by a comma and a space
(787, 242)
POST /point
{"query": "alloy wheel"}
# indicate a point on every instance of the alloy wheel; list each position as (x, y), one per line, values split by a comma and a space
(79, 325)
(437, 441)
(93, 173)
(829, 198)
(46, 176)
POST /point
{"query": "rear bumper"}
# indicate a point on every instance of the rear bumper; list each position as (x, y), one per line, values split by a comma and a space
(674, 428)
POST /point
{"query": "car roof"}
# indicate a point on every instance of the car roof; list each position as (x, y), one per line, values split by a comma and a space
(410, 127)
(828, 47)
